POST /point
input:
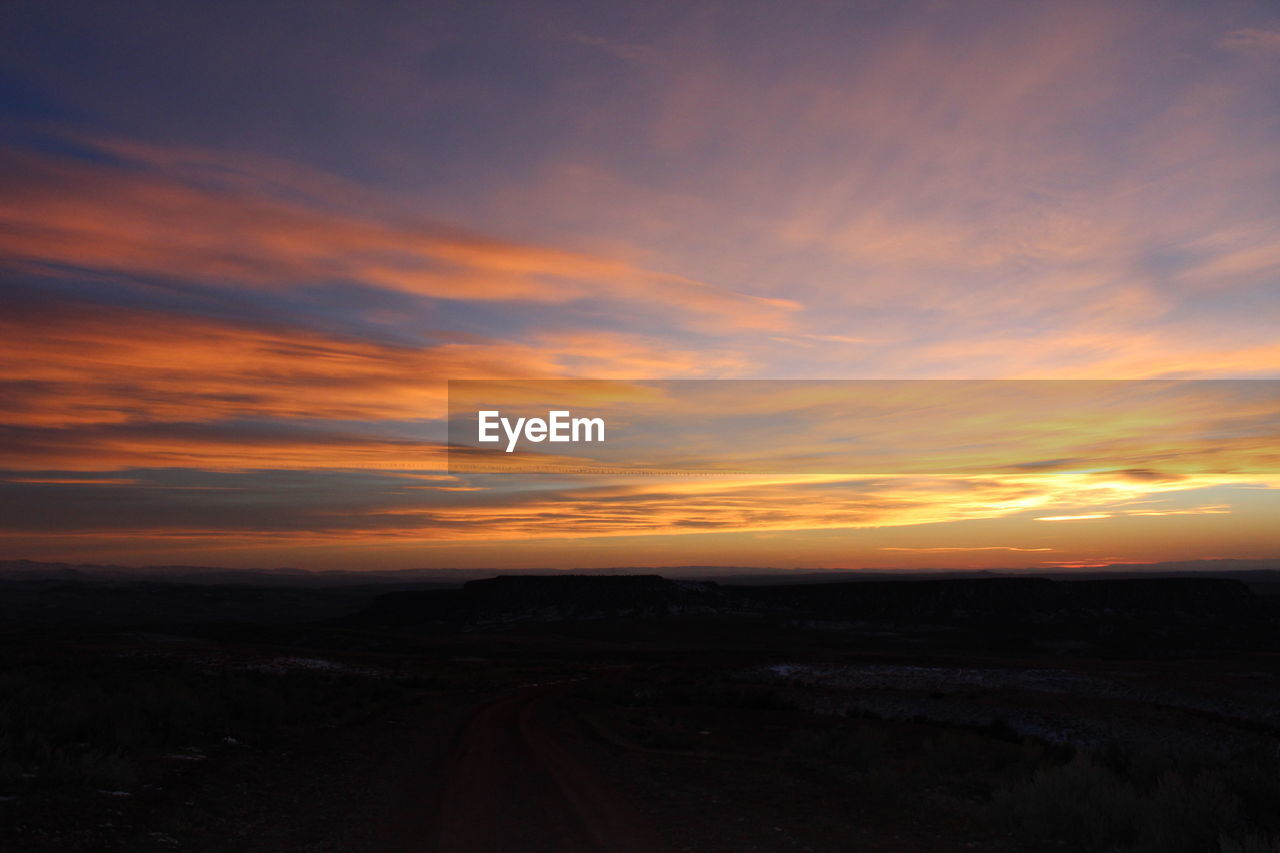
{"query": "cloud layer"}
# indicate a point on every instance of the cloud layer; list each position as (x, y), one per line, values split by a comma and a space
(242, 255)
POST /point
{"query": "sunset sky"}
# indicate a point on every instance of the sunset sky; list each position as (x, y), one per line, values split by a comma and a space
(244, 246)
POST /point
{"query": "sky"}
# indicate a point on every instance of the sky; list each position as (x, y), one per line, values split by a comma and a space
(244, 246)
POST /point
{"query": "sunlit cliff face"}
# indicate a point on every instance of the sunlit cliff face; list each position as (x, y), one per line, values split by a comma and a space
(241, 259)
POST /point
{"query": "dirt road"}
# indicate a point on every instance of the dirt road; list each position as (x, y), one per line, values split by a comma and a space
(508, 775)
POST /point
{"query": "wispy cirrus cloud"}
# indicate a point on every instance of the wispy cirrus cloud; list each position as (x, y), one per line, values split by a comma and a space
(696, 505)
(1251, 39)
(394, 510)
(817, 190)
(150, 216)
(961, 549)
(227, 447)
(68, 363)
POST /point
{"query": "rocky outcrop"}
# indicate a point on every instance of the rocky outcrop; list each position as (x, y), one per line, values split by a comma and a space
(556, 598)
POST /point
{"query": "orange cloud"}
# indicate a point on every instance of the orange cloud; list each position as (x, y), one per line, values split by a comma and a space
(658, 506)
(1093, 353)
(69, 364)
(1220, 509)
(948, 550)
(180, 446)
(1146, 431)
(74, 481)
(138, 219)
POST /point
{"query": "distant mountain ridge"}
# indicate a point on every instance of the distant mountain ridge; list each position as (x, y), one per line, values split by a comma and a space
(1262, 575)
(566, 598)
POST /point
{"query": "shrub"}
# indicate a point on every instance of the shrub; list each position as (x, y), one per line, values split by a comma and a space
(855, 748)
(1248, 844)
(94, 722)
(1146, 802)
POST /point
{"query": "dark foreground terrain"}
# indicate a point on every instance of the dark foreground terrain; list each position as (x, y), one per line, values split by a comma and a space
(637, 713)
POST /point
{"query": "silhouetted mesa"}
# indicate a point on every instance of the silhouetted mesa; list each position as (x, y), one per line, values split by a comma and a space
(1204, 596)
(948, 600)
(549, 598)
(906, 599)
(575, 597)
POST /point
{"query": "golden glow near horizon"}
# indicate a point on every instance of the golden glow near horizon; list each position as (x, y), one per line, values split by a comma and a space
(230, 312)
